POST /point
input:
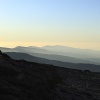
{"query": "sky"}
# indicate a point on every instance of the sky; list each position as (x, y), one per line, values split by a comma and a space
(74, 23)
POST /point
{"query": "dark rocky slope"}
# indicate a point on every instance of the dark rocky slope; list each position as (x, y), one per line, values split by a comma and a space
(22, 80)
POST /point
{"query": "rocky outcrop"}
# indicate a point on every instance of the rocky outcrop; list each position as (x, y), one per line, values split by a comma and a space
(22, 80)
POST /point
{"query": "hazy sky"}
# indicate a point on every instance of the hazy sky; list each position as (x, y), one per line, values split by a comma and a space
(74, 23)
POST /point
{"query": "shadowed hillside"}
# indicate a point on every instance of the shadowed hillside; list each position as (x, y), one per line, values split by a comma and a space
(22, 80)
(28, 57)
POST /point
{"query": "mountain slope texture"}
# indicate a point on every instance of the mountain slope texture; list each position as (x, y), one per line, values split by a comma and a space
(22, 80)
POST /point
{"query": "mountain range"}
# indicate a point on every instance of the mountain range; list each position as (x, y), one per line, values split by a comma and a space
(60, 53)
(27, 57)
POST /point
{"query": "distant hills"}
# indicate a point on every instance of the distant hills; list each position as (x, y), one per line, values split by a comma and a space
(63, 58)
(60, 53)
(27, 57)
(74, 52)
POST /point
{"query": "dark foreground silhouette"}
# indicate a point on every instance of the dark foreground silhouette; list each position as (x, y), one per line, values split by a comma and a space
(22, 80)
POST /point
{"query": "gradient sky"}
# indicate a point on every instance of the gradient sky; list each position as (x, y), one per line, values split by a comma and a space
(74, 23)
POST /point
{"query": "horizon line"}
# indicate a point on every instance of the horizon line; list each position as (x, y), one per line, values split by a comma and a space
(48, 45)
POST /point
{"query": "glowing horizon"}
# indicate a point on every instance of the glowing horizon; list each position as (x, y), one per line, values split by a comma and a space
(41, 44)
(73, 23)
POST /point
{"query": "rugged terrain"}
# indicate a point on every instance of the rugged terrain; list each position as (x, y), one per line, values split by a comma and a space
(22, 80)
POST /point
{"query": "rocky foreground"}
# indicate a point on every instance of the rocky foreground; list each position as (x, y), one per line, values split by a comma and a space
(22, 80)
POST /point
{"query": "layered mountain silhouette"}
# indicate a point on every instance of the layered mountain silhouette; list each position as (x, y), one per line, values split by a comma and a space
(74, 52)
(23, 80)
(66, 58)
(60, 53)
(27, 57)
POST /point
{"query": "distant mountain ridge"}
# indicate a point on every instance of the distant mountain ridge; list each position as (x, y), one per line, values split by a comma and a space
(27, 57)
(73, 55)
(74, 52)
(63, 58)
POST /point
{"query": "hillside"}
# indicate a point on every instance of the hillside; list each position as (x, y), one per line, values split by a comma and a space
(27, 57)
(22, 80)
(60, 53)
(73, 52)
(65, 58)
